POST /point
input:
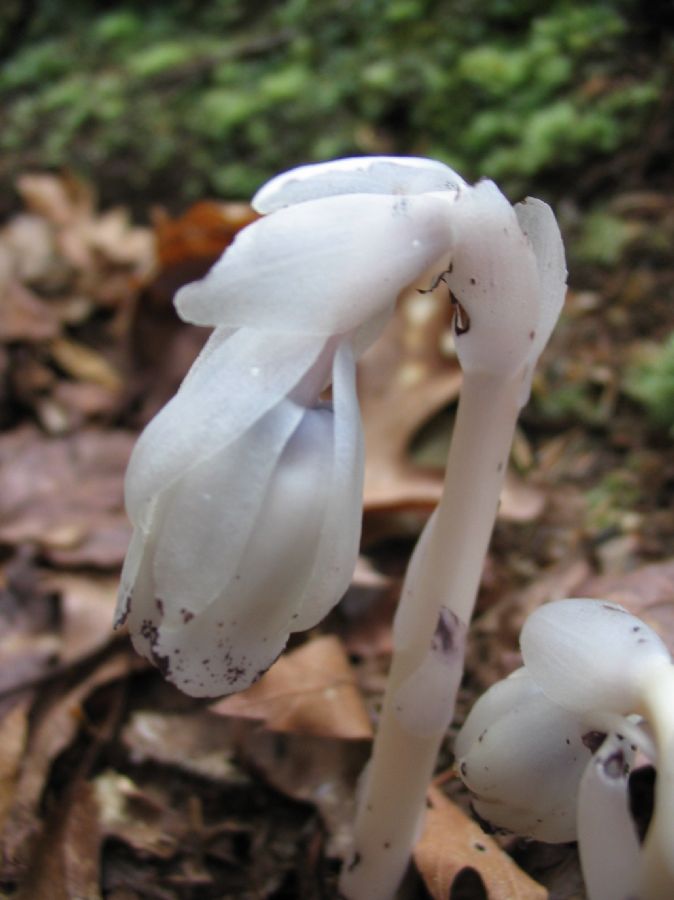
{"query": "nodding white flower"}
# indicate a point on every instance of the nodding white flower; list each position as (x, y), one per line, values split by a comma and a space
(245, 491)
(547, 752)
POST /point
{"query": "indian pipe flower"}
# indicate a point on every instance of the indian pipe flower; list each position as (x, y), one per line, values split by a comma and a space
(245, 490)
(547, 752)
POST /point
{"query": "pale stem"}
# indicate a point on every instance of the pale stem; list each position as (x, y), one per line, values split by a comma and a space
(607, 839)
(444, 578)
(657, 857)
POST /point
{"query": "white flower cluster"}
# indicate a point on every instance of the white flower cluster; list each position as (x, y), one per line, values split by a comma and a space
(245, 491)
(547, 752)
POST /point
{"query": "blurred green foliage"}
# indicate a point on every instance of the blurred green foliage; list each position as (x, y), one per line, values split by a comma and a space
(650, 381)
(184, 98)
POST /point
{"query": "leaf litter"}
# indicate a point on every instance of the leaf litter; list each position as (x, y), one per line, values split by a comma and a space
(112, 784)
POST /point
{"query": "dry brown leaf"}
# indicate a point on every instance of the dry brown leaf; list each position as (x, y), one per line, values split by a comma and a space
(647, 592)
(24, 317)
(53, 728)
(311, 691)
(84, 364)
(197, 742)
(140, 818)
(321, 771)
(451, 842)
(65, 494)
(403, 380)
(87, 603)
(13, 734)
(67, 863)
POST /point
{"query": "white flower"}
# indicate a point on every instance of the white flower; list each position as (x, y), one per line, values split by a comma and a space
(547, 751)
(245, 491)
(233, 548)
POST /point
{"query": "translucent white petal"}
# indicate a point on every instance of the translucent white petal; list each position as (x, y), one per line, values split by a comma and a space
(233, 386)
(129, 575)
(339, 537)
(538, 223)
(324, 267)
(590, 654)
(227, 646)
(527, 764)
(210, 513)
(356, 175)
(607, 840)
(494, 277)
(497, 701)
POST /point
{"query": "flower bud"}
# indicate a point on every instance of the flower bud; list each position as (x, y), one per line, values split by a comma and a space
(523, 757)
(590, 655)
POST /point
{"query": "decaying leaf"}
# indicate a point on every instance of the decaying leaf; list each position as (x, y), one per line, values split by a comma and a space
(67, 861)
(86, 606)
(54, 727)
(65, 494)
(197, 742)
(451, 843)
(13, 734)
(648, 592)
(403, 380)
(320, 771)
(310, 691)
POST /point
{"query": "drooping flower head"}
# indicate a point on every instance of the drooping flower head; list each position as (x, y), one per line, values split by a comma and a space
(547, 752)
(245, 490)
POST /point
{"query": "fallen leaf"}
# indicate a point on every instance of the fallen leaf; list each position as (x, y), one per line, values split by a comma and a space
(647, 592)
(320, 771)
(403, 380)
(65, 494)
(13, 734)
(311, 691)
(451, 843)
(66, 865)
(24, 316)
(197, 742)
(86, 607)
(55, 725)
(84, 364)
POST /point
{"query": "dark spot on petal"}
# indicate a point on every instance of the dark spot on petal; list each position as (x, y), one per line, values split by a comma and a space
(593, 740)
(186, 615)
(124, 612)
(160, 605)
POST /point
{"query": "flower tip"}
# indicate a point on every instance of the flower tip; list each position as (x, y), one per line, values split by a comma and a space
(356, 175)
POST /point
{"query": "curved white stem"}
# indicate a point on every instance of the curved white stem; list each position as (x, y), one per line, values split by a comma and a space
(429, 636)
(607, 840)
(657, 857)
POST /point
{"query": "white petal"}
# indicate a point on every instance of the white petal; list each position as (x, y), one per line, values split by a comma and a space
(228, 645)
(538, 223)
(497, 701)
(339, 537)
(325, 267)
(356, 175)
(526, 765)
(129, 575)
(210, 513)
(233, 387)
(607, 840)
(590, 654)
(494, 277)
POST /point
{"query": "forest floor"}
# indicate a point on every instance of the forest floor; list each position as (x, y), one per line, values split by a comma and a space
(114, 785)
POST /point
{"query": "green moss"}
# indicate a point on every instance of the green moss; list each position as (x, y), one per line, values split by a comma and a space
(518, 91)
(650, 381)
